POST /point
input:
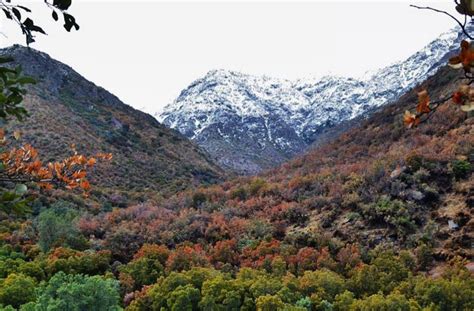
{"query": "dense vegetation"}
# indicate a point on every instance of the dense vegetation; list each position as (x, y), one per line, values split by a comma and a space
(378, 219)
(186, 279)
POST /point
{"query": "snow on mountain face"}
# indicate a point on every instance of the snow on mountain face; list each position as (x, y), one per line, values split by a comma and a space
(249, 123)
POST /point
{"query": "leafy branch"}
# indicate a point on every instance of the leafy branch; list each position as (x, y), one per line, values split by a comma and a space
(464, 96)
(16, 13)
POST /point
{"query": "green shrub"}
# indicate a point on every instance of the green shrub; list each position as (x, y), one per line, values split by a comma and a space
(391, 212)
(239, 193)
(256, 185)
(57, 227)
(461, 168)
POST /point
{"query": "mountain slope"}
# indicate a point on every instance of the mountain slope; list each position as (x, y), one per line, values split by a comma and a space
(378, 184)
(266, 121)
(65, 108)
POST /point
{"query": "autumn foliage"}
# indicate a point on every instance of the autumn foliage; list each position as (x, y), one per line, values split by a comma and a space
(23, 164)
(379, 218)
(462, 97)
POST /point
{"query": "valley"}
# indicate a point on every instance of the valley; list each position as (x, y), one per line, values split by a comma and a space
(246, 192)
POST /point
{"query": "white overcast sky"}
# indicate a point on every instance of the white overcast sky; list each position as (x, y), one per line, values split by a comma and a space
(146, 52)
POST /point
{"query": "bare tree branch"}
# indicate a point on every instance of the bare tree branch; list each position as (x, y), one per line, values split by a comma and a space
(446, 13)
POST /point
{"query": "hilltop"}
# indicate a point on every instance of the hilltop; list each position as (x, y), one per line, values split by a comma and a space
(65, 108)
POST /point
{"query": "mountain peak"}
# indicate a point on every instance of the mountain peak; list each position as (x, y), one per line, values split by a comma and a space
(274, 119)
(221, 73)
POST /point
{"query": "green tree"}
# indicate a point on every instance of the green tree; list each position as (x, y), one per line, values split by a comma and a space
(324, 283)
(269, 303)
(177, 291)
(74, 262)
(16, 290)
(77, 293)
(220, 293)
(343, 301)
(56, 227)
(184, 298)
(378, 302)
(444, 294)
(144, 271)
(461, 168)
(383, 274)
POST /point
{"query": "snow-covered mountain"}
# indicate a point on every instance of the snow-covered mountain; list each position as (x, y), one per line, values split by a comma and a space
(249, 123)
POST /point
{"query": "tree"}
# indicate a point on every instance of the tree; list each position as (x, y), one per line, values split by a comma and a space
(269, 303)
(220, 293)
(383, 274)
(225, 252)
(76, 293)
(185, 257)
(177, 291)
(392, 302)
(143, 271)
(74, 262)
(445, 294)
(16, 290)
(185, 298)
(324, 283)
(56, 227)
(147, 265)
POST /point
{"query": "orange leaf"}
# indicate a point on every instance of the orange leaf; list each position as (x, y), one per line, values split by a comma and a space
(423, 102)
(85, 184)
(91, 162)
(410, 119)
(46, 186)
(79, 174)
(104, 156)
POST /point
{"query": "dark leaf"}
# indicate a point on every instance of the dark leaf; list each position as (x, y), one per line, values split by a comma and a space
(7, 14)
(55, 16)
(17, 13)
(62, 4)
(29, 24)
(24, 8)
(69, 22)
